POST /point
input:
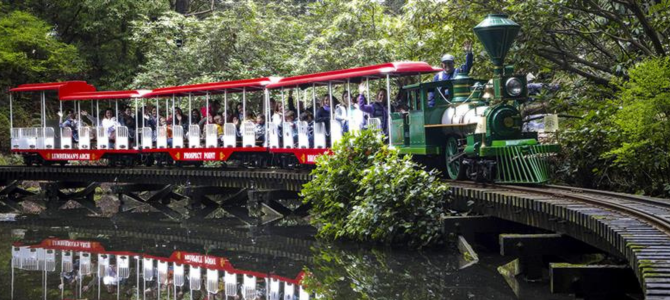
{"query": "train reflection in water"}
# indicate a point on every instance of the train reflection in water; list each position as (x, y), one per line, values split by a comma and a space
(86, 268)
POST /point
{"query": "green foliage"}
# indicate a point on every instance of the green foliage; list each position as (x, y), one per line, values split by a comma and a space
(245, 41)
(623, 143)
(643, 130)
(8, 160)
(367, 192)
(29, 52)
(335, 184)
(400, 202)
(102, 32)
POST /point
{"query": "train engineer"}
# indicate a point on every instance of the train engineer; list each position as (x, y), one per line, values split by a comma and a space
(450, 72)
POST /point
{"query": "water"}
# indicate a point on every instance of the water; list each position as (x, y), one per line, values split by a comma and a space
(286, 254)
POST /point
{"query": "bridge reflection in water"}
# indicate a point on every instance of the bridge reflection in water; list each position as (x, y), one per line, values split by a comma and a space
(123, 258)
(182, 272)
(128, 265)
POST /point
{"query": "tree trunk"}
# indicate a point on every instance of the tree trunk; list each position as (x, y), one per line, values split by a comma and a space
(181, 6)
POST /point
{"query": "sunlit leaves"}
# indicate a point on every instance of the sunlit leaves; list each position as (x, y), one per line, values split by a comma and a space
(623, 143)
(367, 192)
(29, 52)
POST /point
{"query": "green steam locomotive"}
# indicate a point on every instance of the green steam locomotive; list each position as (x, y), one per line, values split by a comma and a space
(476, 131)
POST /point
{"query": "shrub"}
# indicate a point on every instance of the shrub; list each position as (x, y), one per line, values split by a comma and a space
(365, 191)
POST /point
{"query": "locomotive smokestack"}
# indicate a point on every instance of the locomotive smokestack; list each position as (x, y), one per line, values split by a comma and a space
(497, 33)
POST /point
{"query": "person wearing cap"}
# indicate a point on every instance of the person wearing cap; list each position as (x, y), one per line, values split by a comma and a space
(449, 71)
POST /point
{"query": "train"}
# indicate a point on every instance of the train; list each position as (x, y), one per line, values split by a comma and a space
(474, 132)
(80, 261)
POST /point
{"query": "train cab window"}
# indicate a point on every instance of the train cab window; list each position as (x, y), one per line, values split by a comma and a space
(417, 99)
(409, 99)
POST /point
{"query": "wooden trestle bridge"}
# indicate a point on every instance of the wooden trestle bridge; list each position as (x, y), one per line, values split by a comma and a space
(633, 228)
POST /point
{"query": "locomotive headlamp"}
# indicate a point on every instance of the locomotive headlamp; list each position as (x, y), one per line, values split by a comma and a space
(514, 87)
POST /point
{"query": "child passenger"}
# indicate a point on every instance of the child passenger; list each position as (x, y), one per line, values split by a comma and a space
(291, 125)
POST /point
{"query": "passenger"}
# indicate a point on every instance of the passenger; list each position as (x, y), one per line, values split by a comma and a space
(71, 122)
(195, 117)
(402, 108)
(291, 125)
(128, 120)
(109, 124)
(206, 120)
(323, 113)
(340, 114)
(260, 129)
(377, 109)
(309, 119)
(92, 121)
(239, 111)
(450, 72)
(355, 117)
(180, 120)
(149, 120)
(178, 117)
(214, 107)
(154, 118)
(218, 121)
(236, 122)
(277, 116)
(127, 111)
(69, 279)
(163, 122)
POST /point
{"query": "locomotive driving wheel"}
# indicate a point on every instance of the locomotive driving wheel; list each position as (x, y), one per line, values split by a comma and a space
(454, 158)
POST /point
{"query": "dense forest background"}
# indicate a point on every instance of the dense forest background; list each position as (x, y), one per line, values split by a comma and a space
(608, 56)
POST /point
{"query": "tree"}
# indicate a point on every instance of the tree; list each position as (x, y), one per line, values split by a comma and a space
(622, 143)
(598, 40)
(640, 148)
(29, 51)
(101, 30)
(245, 41)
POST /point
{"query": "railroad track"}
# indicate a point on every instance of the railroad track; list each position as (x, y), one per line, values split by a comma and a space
(655, 211)
(650, 210)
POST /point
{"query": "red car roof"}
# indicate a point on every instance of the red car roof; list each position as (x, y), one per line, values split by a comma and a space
(213, 87)
(102, 95)
(64, 88)
(356, 74)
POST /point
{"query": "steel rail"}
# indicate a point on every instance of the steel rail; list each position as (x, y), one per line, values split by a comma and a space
(636, 198)
(604, 199)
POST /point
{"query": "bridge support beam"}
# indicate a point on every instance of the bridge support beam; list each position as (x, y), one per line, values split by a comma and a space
(12, 192)
(267, 205)
(531, 248)
(161, 196)
(478, 228)
(53, 192)
(593, 281)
